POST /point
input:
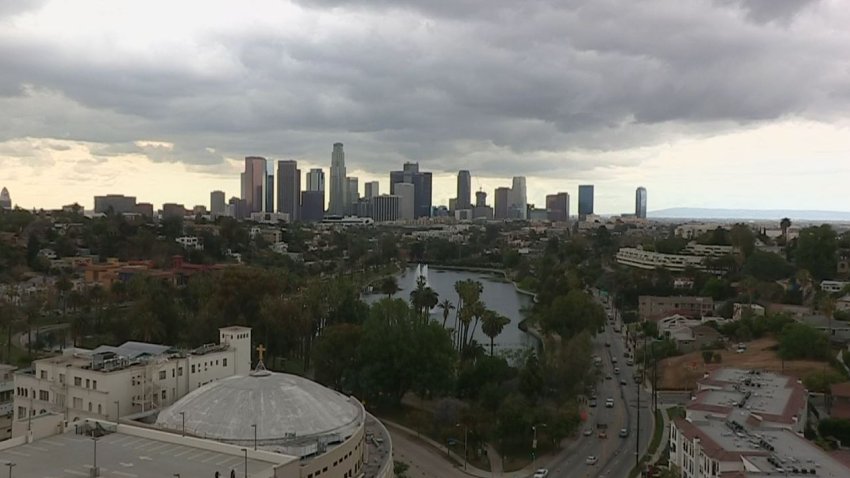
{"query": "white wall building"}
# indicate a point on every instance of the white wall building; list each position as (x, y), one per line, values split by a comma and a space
(131, 378)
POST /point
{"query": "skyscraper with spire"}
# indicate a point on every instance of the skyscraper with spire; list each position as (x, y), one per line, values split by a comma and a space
(338, 196)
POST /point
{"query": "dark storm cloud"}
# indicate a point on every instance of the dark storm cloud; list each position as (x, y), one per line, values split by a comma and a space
(492, 85)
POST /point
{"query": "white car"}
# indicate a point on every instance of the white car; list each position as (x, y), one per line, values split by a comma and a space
(587, 432)
(609, 403)
(591, 460)
(541, 473)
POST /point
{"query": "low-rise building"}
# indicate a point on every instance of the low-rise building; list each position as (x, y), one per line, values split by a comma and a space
(109, 382)
(7, 400)
(838, 331)
(739, 311)
(833, 286)
(655, 308)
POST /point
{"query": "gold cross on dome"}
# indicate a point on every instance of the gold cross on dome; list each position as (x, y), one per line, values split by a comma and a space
(260, 351)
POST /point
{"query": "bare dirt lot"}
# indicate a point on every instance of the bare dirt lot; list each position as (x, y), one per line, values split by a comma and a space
(682, 372)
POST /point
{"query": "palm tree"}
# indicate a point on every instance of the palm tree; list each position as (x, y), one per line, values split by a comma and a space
(784, 224)
(492, 325)
(447, 307)
(33, 307)
(389, 286)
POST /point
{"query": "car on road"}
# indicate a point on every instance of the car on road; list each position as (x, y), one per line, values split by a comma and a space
(541, 473)
(609, 403)
(607, 344)
(591, 460)
(624, 432)
(629, 361)
(587, 432)
(607, 377)
(614, 360)
(591, 404)
(623, 382)
(616, 370)
(603, 434)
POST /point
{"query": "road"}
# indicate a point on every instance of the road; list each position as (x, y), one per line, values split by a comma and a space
(616, 455)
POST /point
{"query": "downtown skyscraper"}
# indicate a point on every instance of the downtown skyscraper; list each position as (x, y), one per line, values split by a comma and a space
(289, 189)
(313, 199)
(585, 201)
(518, 209)
(338, 195)
(422, 184)
(254, 183)
(640, 203)
(464, 190)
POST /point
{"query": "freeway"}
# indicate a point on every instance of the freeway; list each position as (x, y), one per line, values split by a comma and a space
(616, 455)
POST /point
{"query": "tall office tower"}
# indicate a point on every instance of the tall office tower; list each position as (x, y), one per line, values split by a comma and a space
(385, 207)
(519, 200)
(312, 206)
(289, 189)
(338, 195)
(316, 180)
(253, 183)
(5, 199)
(500, 202)
(422, 183)
(217, 202)
(372, 189)
(640, 203)
(406, 193)
(238, 208)
(585, 201)
(558, 207)
(480, 199)
(464, 190)
(270, 193)
(352, 190)
(117, 203)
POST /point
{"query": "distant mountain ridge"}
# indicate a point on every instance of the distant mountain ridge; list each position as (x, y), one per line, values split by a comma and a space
(755, 214)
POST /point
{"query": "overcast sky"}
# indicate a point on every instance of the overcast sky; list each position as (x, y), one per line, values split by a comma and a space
(711, 103)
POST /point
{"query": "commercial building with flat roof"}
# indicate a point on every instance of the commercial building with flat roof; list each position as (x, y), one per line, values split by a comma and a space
(653, 307)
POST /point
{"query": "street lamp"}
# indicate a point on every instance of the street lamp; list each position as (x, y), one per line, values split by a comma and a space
(10, 465)
(94, 460)
(465, 442)
(117, 411)
(245, 450)
(254, 426)
(534, 442)
(183, 420)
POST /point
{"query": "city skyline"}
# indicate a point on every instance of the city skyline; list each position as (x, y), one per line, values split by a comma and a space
(171, 111)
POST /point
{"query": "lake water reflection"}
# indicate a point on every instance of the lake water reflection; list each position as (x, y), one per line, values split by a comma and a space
(498, 295)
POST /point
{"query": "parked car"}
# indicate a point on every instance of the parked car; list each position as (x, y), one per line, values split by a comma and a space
(624, 432)
(616, 370)
(541, 473)
(603, 434)
(614, 360)
(587, 432)
(623, 382)
(591, 460)
(591, 404)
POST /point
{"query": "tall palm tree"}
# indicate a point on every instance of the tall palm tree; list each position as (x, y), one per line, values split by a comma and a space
(492, 325)
(33, 309)
(784, 224)
(447, 307)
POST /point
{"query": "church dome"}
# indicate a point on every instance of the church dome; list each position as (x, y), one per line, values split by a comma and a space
(290, 412)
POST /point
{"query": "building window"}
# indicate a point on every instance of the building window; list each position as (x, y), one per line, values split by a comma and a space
(164, 393)
(44, 395)
(94, 384)
(89, 406)
(22, 412)
(62, 378)
(162, 375)
(99, 409)
(78, 403)
(88, 383)
(193, 368)
(43, 374)
(224, 362)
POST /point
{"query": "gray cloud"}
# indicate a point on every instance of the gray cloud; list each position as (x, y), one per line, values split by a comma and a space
(493, 85)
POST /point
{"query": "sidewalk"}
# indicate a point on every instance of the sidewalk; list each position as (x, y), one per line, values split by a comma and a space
(665, 433)
(495, 458)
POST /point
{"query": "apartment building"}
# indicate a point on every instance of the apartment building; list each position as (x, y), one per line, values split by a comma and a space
(654, 308)
(7, 398)
(110, 382)
(745, 423)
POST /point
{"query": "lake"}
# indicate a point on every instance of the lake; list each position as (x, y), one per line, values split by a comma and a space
(498, 295)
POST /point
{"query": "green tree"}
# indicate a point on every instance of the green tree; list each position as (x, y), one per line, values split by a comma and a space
(572, 313)
(801, 341)
(446, 306)
(335, 356)
(816, 251)
(389, 286)
(767, 266)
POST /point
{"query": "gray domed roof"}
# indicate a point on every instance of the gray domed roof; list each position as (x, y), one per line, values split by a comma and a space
(284, 408)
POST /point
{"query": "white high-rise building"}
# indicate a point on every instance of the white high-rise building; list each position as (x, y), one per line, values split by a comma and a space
(518, 208)
(372, 189)
(338, 193)
(5, 199)
(406, 204)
